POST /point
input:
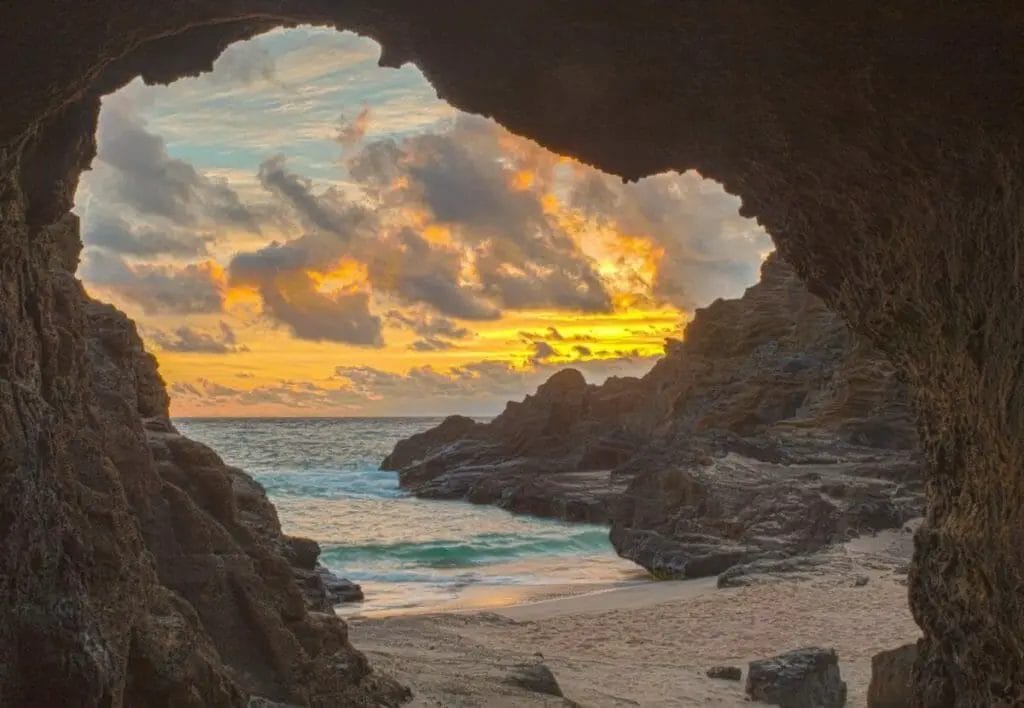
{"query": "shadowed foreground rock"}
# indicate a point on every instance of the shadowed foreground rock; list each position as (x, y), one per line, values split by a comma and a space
(891, 678)
(879, 143)
(257, 606)
(803, 678)
(770, 432)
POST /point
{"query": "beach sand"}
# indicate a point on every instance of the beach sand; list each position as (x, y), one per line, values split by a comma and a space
(649, 644)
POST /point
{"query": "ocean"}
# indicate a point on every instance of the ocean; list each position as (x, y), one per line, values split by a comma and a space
(409, 554)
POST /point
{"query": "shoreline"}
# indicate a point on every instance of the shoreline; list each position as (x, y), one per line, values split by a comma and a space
(650, 643)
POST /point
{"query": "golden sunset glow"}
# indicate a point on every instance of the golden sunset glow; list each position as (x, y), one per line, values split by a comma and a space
(430, 264)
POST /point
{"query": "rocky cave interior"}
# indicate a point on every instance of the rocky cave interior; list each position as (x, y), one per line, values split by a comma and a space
(892, 184)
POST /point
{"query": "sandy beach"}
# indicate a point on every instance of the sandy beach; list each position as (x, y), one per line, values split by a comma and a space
(650, 643)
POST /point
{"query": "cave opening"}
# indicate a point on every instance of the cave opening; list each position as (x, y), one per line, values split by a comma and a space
(328, 259)
(888, 181)
(300, 233)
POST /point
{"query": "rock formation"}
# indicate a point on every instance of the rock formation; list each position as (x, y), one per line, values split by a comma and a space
(770, 431)
(802, 678)
(878, 143)
(205, 601)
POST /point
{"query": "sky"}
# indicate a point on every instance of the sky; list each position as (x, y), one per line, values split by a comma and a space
(302, 232)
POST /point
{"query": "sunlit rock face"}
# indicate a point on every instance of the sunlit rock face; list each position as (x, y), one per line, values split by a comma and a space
(880, 146)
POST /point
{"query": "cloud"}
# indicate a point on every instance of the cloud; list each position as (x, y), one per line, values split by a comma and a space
(281, 274)
(470, 221)
(351, 132)
(476, 388)
(428, 324)
(296, 191)
(431, 344)
(243, 63)
(437, 332)
(542, 351)
(702, 247)
(157, 289)
(582, 350)
(187, 339)
(134, 169)
(522, 257)
(404, 264)
(113, 233)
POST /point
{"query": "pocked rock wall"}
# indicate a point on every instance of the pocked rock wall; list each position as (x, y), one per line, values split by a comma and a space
(879, 143)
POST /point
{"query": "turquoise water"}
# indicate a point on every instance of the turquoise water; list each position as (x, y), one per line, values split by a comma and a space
(407, 553)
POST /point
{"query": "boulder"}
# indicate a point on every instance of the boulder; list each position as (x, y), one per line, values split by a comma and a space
(891, 677)
(803, 678)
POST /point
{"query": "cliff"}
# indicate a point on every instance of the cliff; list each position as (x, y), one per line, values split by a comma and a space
(771, 430)
(175, 585)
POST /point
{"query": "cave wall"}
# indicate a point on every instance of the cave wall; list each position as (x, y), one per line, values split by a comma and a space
(879, 143)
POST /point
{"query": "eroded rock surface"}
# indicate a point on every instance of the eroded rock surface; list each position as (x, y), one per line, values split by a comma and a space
(171, 583)
(771, 431)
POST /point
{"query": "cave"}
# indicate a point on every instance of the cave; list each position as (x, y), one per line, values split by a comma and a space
(880, 146)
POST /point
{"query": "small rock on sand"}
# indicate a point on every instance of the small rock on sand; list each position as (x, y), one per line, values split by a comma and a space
(803, 678)
(726, 673)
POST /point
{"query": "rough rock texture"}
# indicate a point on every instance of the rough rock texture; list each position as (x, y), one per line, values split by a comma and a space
(769, 431)
(322, 589)
(879, 143)
(258, 598)
(891, 674)
(802, 678)
(169, 582)
(549, 455)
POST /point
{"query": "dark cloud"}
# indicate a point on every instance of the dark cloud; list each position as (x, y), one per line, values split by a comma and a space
(157, 289)
(436, 332)
(522, 257)
(581, 350)
(280, 273)
(292, 298)
(427, 324)
(542, 351)
(431, 344)
(315, 213)
(115, 234)
(187, 339)
(136, 170)
(406, 265)
(550, 333)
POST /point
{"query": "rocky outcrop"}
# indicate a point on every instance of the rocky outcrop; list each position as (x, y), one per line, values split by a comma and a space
(803, 678)
(170, 582)
(771, 431)
(258, 605)
(879, 145)
(322, 589)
